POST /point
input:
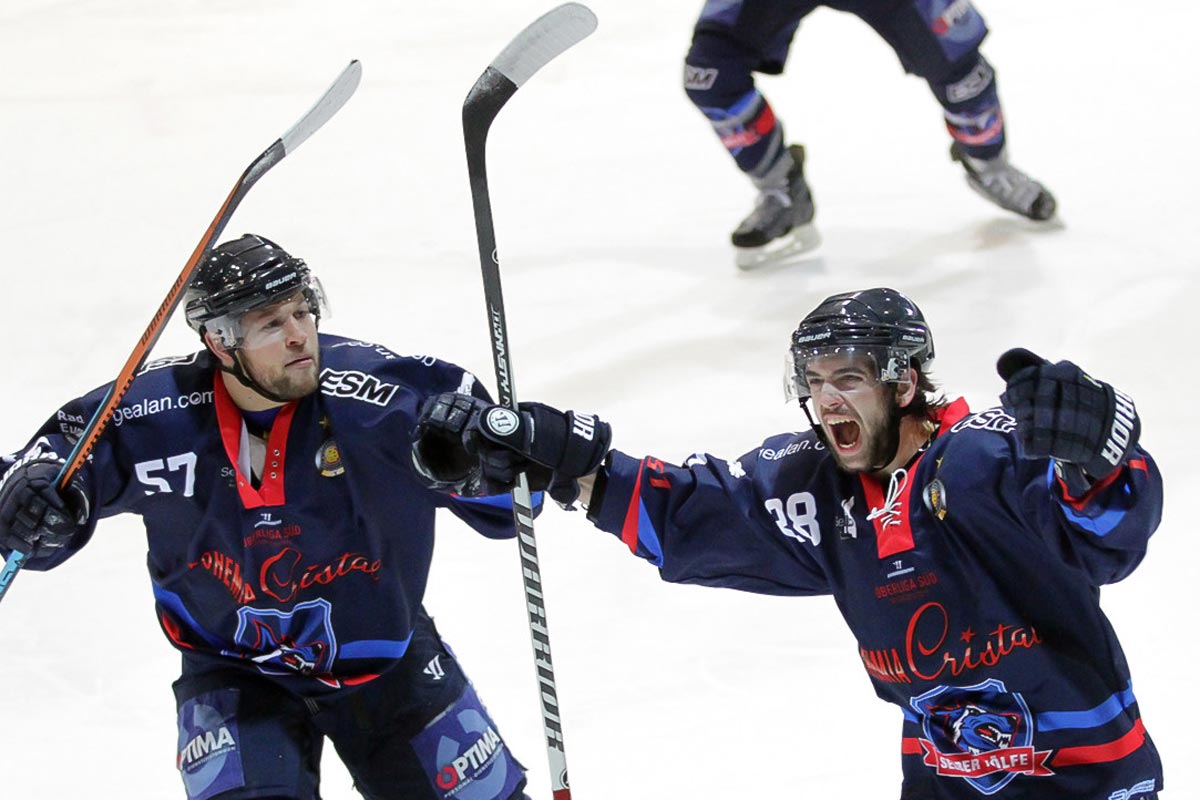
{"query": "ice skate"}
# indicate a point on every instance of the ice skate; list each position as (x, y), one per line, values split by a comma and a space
(780, 225)
(1005, 185)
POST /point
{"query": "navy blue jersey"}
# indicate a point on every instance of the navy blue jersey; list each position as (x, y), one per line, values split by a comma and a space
(316, 574)
(970, 583)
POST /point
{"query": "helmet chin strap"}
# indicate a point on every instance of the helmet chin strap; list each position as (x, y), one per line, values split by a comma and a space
(893, 434)
(818, 429)
(238, 370)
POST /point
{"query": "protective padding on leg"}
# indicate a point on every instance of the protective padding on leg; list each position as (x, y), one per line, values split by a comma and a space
(719, 82)
(934, 39)
(972, 108)
(956, 27)
(210, 748)
(717, 71)
(242, 737)
(463, 755)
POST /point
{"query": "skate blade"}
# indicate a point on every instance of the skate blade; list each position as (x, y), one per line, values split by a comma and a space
(1041, 212)
(794, 243)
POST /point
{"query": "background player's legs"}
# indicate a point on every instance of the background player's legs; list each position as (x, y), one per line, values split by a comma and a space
(730, 43)
(940, 43)
(976, 121)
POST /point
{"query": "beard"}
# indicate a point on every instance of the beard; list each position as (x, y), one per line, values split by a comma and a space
(285, 384)
(881, 437)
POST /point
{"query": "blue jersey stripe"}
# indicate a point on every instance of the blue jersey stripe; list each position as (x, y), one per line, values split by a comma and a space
(1101, 524)
(499, 500)
(1091, 718)
(374, 648)
(648, 536)
(174, 603)
(1058, 720)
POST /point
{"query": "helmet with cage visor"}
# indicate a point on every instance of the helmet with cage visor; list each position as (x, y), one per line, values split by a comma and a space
(882, 326)
(243, 275)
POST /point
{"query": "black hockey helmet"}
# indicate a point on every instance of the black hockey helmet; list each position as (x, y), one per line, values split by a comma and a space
(880, 323)
(242, 275)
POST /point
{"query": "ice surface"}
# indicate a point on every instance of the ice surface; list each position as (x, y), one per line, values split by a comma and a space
(125, 123)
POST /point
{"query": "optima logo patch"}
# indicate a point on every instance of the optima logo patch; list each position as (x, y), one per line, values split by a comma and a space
(463, 755)
(210, 760)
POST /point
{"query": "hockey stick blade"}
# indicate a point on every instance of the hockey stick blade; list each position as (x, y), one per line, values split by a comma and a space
(330, 102)
(544, 40)
(541, 42)
(532, 49)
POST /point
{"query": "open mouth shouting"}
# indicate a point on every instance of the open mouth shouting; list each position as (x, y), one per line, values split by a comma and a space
(845, 433)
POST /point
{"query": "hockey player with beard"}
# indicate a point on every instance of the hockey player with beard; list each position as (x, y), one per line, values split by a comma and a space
(964, 550)
(937, 40)
(289, 517)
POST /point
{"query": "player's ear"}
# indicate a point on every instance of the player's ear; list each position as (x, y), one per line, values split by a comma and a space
(905, 392)
(218, 349)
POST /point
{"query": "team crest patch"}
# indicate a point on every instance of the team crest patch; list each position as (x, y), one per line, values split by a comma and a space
(981, 733)
(935, 497)
(329, 459)
(289, 642)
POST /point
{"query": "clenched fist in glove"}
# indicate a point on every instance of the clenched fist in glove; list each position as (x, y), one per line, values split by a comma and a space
(34, 517)
(440, 453)
(1065, 414)
(463, 441)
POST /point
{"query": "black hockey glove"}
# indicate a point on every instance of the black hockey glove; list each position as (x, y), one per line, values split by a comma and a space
(447, 459)
(34, 518)
(568, 443)
(440, 453)
(465, 444)
(1065, 414)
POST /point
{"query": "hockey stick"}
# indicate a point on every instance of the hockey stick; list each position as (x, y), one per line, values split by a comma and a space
(529, 51)
(334, 98)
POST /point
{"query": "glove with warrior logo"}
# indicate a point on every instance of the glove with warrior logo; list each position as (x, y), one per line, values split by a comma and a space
(34, 517)
(464, 441)
(1065, 414)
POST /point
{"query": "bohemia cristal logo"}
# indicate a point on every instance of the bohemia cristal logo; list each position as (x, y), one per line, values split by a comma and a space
(981, 733)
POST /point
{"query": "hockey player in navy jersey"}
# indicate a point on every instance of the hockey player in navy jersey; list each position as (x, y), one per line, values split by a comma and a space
(964, 550)
(289, 517)
(937, 40)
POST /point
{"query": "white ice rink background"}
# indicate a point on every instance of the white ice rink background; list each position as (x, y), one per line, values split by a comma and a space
(124, 123)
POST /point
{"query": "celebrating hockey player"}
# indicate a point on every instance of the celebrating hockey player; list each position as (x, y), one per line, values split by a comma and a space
(290, 525)
(935, 39)
(965, 550)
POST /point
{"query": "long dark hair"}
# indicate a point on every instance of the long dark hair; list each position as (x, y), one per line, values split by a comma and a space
(928, 399)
